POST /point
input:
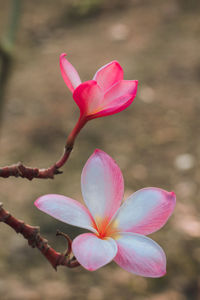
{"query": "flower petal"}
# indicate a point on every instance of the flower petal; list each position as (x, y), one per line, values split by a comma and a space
(118, 97)
(102, 186)
(108, 75)
(88, 97)
(93, 252)
(140, 255)
(145, 211)
(117, 94)
(69, 73)
(66, 210)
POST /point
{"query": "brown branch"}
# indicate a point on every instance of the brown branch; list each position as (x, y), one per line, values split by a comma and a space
(20, 170)
(35, 240)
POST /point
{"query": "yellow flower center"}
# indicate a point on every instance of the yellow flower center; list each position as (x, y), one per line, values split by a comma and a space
(103, 227)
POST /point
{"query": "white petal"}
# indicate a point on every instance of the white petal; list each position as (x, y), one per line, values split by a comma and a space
(102, 185)
(140, 255)
(66, 210)
(145, 211)
(93, 252)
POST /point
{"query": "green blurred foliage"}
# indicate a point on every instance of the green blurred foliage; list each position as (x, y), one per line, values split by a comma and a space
(81, 9)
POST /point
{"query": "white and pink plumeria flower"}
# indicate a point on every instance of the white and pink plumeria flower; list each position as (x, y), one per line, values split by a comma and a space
(118, 232)
(106, 94)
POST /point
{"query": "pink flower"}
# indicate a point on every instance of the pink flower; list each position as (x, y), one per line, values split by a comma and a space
(118, 233)
(105, 95)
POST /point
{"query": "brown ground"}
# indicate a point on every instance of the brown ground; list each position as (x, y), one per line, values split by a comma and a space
(156, 42)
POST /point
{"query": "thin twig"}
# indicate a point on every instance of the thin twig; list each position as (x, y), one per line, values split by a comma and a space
(35, 240)
(20, 170)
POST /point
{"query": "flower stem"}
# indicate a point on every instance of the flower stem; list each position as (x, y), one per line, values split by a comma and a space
(70, 142)
(20, 170)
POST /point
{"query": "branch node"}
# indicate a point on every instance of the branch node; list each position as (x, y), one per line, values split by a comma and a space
(68, 148)
(5, 217)
(33, 238)
(41, 244)
(56, 172)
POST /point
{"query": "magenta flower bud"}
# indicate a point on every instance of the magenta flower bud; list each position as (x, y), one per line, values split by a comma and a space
(106, 94)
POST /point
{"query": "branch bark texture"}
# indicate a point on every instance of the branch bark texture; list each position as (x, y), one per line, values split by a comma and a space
(35, 240)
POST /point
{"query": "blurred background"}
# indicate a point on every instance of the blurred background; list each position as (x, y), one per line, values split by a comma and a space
(155, 141)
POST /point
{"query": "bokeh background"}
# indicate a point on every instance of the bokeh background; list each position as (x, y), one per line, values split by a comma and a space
(155, 141)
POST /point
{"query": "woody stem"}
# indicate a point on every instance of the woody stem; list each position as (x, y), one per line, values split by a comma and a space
(35, 240)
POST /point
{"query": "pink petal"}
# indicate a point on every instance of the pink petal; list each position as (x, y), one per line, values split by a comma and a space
(66, 210)
(118, 97)
(102, 186)
(145, 211)
(69, 73)
(93, 253)
(88, 97)
(140, 255)
(108, 75)
(122, 90)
